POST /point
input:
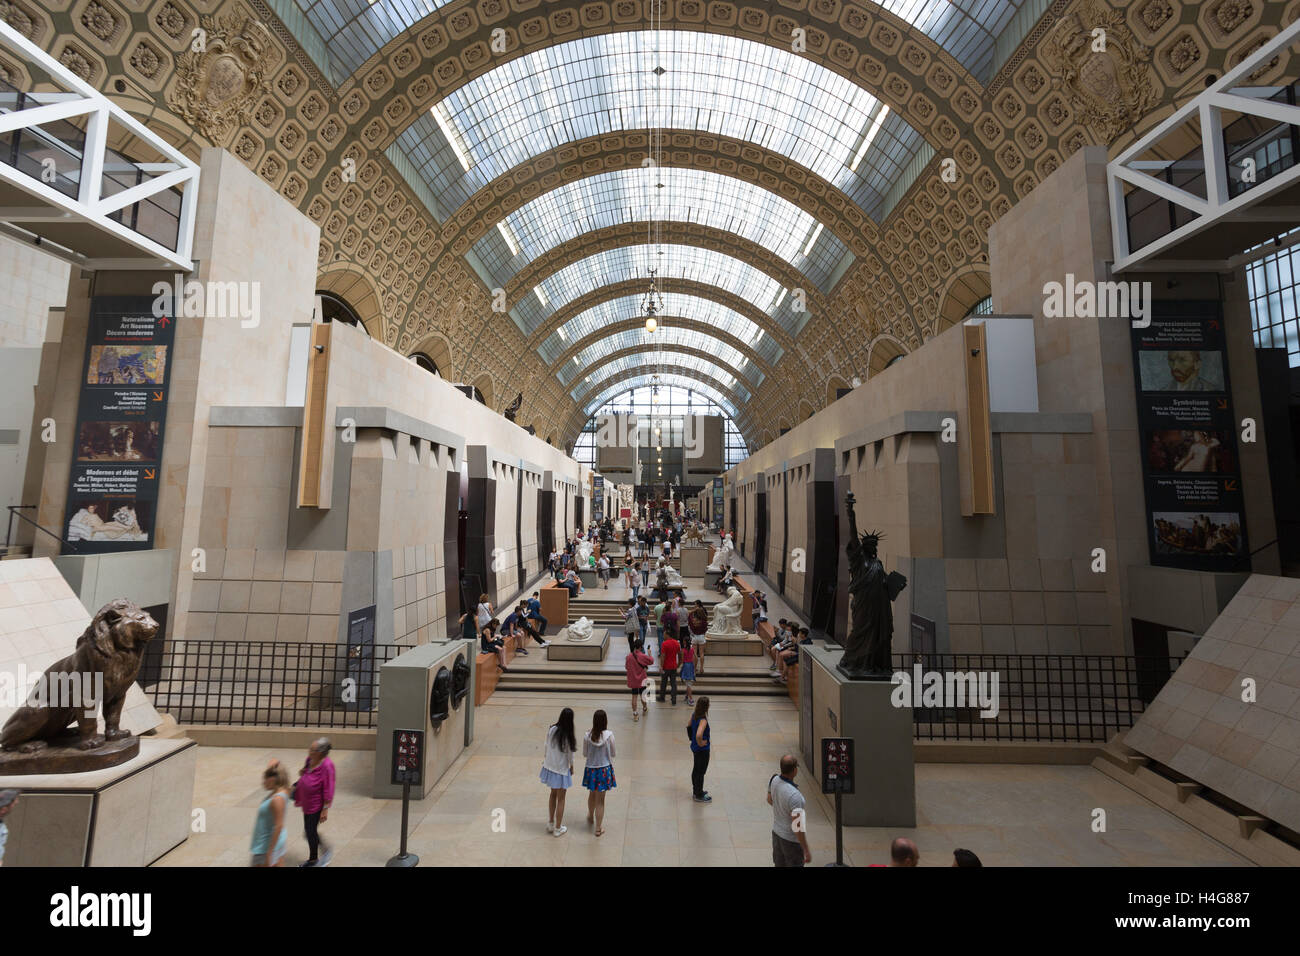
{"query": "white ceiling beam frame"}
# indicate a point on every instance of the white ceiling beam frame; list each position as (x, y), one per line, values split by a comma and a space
(1215, 206)
(90, 206)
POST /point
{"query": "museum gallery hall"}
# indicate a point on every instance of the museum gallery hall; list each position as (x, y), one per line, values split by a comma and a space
(486, 433)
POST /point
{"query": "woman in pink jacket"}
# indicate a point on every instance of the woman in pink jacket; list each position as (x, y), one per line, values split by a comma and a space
(314, 792)
(636, 664)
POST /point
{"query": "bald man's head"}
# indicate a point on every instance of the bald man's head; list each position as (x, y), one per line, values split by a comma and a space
(903, 852)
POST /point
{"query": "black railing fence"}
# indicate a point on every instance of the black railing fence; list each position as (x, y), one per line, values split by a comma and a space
(1037, 697)
(269, 683)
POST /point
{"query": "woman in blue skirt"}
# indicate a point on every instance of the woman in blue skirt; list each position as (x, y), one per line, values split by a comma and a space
(598, 776)
(557, 768)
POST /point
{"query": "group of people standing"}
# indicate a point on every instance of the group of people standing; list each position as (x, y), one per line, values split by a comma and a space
(598, 753)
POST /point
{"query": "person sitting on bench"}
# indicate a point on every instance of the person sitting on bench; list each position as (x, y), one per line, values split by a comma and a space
(790, 656)
(535, 612)
(489, 643)
(516, 625)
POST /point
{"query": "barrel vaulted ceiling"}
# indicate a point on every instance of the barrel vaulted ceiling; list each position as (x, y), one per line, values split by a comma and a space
(500, 152)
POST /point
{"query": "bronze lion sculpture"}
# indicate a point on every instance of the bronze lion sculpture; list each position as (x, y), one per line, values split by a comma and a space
(107, 654)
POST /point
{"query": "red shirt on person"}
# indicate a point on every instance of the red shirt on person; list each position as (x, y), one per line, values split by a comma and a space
(668, 654)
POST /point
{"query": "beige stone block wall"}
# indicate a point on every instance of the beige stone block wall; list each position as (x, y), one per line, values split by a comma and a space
(800, 490)
(776, 544)
(34, 282)
(267, 594)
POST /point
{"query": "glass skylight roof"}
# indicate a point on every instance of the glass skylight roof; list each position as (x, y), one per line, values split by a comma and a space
(695, 385)
(671, 361)
(719, 84)
(355, 30)
(688, 195)
(633, 262)
(589, 357)
(694, 307)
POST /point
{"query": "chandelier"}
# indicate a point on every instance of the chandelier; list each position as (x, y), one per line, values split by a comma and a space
(652, 303)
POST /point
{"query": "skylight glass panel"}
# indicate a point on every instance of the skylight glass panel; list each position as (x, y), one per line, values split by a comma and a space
(707, 311)
(694, 385)
(674, 362)
(687, 195)
(625, 263)
(718, 84)
(355, 30)
(591, 356)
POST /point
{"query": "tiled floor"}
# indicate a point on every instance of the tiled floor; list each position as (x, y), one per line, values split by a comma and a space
(1009, 815)
(490, 808)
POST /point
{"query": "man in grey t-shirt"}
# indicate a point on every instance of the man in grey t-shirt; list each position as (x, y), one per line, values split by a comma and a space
(789, 839)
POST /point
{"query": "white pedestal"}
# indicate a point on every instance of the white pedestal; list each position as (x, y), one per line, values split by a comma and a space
(128, 815)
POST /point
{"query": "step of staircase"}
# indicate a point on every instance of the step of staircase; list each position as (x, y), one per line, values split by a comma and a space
(558, 681)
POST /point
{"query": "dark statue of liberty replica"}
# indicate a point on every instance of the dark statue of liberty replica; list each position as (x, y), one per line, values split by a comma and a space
(871, 616)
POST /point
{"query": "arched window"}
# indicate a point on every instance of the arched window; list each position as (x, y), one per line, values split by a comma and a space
(983, 307)
(426, 363)
(336, 309)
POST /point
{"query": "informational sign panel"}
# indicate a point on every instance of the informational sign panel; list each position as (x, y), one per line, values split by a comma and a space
(837, 765)
(361, 660)
(717, 500)
(112, 499)
(598, 498)
(924, 635)
(1188, 437)
(408, 757)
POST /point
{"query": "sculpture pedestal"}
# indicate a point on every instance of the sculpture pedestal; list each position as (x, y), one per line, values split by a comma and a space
(734, 645)
(694, 562)
(128, 815)
(885, 770)
(563, 649)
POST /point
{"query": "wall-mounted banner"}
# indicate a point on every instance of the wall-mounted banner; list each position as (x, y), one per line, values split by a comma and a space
(1195, 515)
(598, 498)
(717, 500)
(117, 460)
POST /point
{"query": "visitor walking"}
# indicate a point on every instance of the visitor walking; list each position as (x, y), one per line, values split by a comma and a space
(789, 836)
(698, 622)
(688, 666)
(313, 794)
(8, 800)
(270, 833)
(598, 774)
(602, 569)
(631, 627)
(700, 745)
(669, 651)
(642, 616)
(635, 665)
(557, 768)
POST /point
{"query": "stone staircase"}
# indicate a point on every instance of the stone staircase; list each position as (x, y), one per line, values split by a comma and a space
(723, 677)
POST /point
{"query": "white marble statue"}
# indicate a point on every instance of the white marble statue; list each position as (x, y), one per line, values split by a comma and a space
(584, 553)
(726, 615)
(674, 576)
(722, 555)
(580, 630)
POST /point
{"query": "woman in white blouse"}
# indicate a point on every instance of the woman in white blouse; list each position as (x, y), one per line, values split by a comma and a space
(598, 775)
(557, 768)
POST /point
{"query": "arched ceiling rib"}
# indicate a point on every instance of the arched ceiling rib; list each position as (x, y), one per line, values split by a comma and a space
(683, 195)
(670, 323)
(674, 262)
(672, 79)
(715, 391)
(670, 339)
(354, 31)
(709, 311)
(654, 359)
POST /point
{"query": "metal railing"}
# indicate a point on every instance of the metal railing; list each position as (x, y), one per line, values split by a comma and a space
(269, 683)
(66, 546)
(1066, 698)
(54, 153)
